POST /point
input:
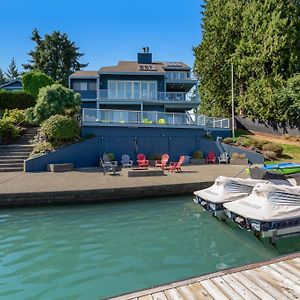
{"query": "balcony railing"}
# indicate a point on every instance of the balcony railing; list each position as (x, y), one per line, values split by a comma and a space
(149, 96)
(108, 116)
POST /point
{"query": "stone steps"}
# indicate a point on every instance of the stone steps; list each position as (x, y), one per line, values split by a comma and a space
(12, 156)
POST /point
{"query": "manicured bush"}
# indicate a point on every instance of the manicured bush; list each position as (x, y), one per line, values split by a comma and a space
(273, 147)
(162, 122)
(269, 155)
(34, 81)
(56, 100)
(198, 154)
(60, 129)
(8, 131)
(17, 99)
(260, 143)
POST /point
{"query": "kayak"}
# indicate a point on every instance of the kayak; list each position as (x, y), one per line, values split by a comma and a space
(283, 168)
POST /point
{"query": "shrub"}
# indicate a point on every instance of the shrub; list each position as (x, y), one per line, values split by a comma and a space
(198, 154)
(244, 141)
(269, 155)
(8, 130)
(33, 81)
(146, 121)
(41, 148)
(228, 140)
(60, 129)
(17, 99)
(260, 143)
(287, 136)
(273, 147)
(235, 155)
(155, 156)
(15, 115)
(56, 100)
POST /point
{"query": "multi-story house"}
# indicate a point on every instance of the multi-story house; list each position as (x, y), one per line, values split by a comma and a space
(142, 91)
(144, 106)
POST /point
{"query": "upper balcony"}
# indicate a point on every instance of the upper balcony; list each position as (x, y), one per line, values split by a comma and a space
(112, 96)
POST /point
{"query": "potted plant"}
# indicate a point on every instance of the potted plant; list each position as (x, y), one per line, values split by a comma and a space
(238, 159)
(153, 158)
(197, 158)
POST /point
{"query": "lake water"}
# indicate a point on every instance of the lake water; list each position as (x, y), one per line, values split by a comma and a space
(97, 251)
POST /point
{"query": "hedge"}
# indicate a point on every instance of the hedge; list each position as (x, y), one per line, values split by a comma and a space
(16, 99)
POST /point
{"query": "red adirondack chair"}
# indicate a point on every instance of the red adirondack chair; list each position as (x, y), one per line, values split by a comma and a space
(142, 161)
(211, 157)
(163, 162)
(176, 166)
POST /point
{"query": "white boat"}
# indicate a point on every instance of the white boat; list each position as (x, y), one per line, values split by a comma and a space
(270, 211)
(224, 189)
(228, 189)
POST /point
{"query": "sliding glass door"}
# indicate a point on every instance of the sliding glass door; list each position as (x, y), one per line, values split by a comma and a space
(138, 90)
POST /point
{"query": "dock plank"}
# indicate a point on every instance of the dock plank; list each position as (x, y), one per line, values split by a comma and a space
(277, 278)
(239, 287)
(200, 292)
(251, 286)
(213, 290)
(226, 289)
(159, 296)
(265, 285)
(172, 294)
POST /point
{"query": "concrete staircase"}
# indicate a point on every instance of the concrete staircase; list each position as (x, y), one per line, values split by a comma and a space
(12, 156)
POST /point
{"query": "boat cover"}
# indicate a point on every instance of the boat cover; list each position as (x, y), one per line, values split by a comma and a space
(227, 189)
(268, 203)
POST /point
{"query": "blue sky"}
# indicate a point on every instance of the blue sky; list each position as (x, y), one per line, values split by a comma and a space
(106, 31)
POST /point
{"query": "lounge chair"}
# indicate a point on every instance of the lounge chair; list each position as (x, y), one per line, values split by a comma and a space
(109, 167)
(163, 162)
(126, 162)
(211, 157)
(106, 160)
(176, 166)
(224, 158)
(142, 161)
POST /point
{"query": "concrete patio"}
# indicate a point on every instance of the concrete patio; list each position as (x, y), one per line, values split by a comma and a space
(90, 185)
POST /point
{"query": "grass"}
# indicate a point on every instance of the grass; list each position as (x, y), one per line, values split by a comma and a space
(291, 151)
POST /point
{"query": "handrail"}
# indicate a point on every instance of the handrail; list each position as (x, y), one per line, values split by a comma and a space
(91, 115)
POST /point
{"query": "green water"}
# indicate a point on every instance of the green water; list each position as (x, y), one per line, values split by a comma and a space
(96, 251)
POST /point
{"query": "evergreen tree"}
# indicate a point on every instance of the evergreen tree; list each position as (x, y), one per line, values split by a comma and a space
(262, 39)
(12, 71)
(2, 77)
(55, 55)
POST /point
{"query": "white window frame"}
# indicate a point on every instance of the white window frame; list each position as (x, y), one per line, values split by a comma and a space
(132, 82)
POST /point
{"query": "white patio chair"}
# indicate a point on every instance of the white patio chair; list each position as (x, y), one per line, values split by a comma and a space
(224, 158)
(126, 161)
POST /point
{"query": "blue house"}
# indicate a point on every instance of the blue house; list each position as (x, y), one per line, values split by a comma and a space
(145, 106)
(14, 85)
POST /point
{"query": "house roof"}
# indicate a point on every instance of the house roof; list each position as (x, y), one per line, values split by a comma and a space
(84, 74)
(10, 83)
(135, 67)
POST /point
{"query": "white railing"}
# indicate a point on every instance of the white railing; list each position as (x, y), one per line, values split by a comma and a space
(148, 96)
(109, 116)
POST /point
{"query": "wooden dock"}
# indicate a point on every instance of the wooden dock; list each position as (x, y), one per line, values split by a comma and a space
(270, 280)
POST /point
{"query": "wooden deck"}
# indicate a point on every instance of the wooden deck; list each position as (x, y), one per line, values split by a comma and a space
(270, 280)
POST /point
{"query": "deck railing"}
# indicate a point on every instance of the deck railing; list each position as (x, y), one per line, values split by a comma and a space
(148, 96)
(109, 116)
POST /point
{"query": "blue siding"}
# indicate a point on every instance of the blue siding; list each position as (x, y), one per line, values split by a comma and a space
(121, 140)
(89, 94)
(89, 104)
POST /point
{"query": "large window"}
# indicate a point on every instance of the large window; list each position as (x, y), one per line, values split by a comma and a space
(84, 86)
(118, 89)
(178, 75)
